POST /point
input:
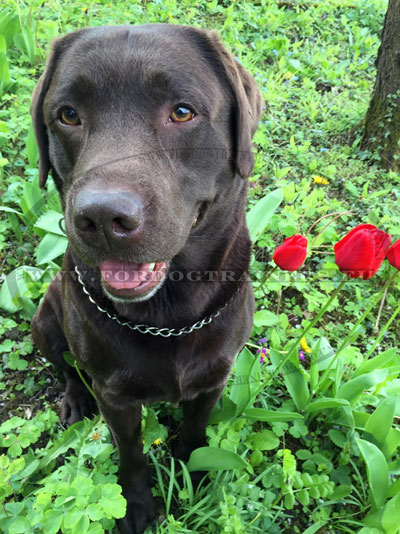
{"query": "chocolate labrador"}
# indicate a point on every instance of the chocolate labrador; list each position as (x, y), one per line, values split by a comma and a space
(147, 132)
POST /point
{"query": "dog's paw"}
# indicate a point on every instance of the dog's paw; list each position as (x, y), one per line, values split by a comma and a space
(138, 516)
(77, 403)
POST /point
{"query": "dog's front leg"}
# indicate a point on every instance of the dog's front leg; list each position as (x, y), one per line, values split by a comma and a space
(196, 413)
(125, 424)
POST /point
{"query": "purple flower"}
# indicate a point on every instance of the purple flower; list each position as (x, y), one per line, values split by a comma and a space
(302, 356)
(262, 340)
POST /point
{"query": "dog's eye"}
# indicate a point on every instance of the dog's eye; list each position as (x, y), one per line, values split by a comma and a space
(182, 114)
(70, 117)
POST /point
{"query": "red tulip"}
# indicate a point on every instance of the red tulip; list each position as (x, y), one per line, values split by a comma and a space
(361, 252)
(291, 255)
(393, 254)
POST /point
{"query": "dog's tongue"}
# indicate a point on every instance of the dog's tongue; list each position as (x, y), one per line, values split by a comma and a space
(124, 275)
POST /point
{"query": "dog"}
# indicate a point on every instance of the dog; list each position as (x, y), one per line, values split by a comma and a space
(147, 133)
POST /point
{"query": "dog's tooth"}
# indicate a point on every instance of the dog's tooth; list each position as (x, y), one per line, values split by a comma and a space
(151, 267)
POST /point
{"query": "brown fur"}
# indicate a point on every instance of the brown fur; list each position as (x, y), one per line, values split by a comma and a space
(121, 80)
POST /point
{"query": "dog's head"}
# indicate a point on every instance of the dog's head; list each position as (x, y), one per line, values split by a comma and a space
(147, 131)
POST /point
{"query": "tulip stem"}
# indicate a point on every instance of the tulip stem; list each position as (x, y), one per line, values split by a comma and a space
(382, 332)
(378, 318)
(294, 346)
(337, 213)
(266, 276)
(324, 377)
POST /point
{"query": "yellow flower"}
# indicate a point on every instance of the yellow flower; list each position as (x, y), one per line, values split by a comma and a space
(158, 441)
(170, 16)
(304, 345)
(320, 180)
(96, 436)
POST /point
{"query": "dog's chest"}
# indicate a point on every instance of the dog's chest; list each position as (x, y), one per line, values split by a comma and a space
(128, 367)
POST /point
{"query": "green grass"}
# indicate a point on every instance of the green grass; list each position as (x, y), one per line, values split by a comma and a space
(299, 461)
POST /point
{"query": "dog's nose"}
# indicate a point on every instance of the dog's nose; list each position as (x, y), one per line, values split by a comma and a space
(114, 216)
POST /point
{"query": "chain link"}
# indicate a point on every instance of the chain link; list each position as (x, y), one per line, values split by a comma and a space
(154, 330)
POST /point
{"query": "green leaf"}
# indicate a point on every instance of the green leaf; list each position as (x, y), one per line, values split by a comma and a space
(353, 389)
(385, 359)
(112, 502)
(152, 429)
(260, 214)
(32, 148)
(265, 318)
(69, 358)
(315, 527)
(227, 412)
(295, 380)
(52, 521)
(95, 512)
(325, 403)
(214, 459)
(51, 222)
(32, 202)
(271, 416)
(391, 516)
(14, 288)
(265, 440)
(377, 471)
(245, 380)
(4, 74)
(391, 443)
(380, 422)
(52, 246)
(20, 525)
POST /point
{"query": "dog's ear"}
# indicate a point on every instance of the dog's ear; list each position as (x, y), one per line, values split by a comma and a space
(247, 101)
(58, 47)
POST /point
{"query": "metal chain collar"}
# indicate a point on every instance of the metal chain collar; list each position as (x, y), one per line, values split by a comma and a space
(154, 330)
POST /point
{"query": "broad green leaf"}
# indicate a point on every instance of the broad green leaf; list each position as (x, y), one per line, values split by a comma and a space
(213, 458)
(52, 521)
(51, 222)
(271, 416)
(385, 359)
(325, 353)
(391, 443)
(294, 380)
(377, 471)
(315, 527)
(152, 429)
(265, 440)
(32, 148)
(51, 247)
(14, 288)
(9, 25)
(112, 501)
(245, 380)
(4, 74)
(325, 403)
(227, 412)
(380, 422)
(20, 525)
(391, 516)
(261, 212)
(70, 438)
(354, 388)
(12, 210)
(32, 201)
(265, 318)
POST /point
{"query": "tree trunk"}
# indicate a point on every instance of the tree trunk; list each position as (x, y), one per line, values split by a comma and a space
(382, 121)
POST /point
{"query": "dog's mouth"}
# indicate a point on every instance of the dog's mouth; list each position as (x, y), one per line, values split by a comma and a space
(124, 280)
